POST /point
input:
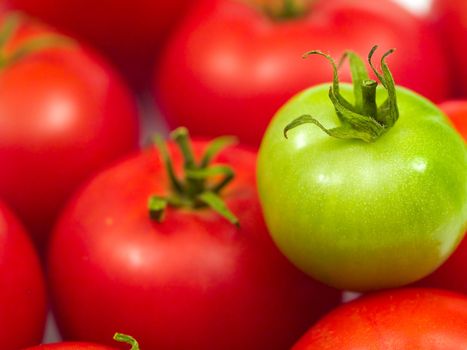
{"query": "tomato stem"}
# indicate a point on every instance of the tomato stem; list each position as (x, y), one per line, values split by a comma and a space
(363, 120)
(195, 190)
(123, 338)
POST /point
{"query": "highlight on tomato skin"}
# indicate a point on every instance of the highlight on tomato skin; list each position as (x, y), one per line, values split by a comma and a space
(233, 65)
(65, 114)
(168, 268)
(402, 319)
(22, 294)
(449, 275)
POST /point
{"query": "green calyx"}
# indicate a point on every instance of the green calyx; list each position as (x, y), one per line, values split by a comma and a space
(8, 30)
(363, 120)
(287, 9)
(123, 338)
(197, 189)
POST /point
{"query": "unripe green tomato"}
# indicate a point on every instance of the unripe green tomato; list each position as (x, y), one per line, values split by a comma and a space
(364, 216)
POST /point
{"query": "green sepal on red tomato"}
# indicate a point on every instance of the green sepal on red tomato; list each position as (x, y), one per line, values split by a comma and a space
(64, 114)
(364, 215)
(167, 268)
(233, 64)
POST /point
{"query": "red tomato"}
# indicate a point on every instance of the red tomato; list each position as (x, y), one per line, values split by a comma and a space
(229, 67)
(70, 346)
(129, 32)
(88, 346)
(457, 112)
(22, 292)
(64, 114)
(194, 281)
(404, 319)
(448, 275)
(449, 18)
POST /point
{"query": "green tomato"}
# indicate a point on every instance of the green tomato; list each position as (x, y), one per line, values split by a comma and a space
(362, 215)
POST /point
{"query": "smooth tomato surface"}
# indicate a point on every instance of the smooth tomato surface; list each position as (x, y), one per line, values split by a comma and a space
(194, 281)
(404, 319)
(71, 346)
(233, 67)
(64, 114)
(448, 276)
(364, 216)
(129, 32)
(22, 292)
(457, 113)
(449, 18)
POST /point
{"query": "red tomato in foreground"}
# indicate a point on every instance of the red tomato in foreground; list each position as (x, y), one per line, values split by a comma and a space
(64, 114)
(193, 282)
(404, 319)
(449, 18)
(450, 274)
(22, 292)
(232, 66)
(129, 32)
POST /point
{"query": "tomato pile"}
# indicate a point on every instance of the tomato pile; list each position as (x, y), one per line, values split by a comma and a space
(289, 178)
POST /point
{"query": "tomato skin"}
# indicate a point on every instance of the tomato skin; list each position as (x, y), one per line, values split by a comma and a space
(448, 18)
(193, 282)
(233, 67)
(128, 32)
(447, 276)
(65, 114)
(457, 113)
(22, 295)
(403, 319)
(71, 346)
(362, 215)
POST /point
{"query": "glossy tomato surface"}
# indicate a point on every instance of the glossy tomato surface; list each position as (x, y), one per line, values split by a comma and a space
(364, 216)
(129, 32)
(449, 19)
(404, 319)
(22, 292)
(449, 275)
(194, 281)
(64, 114)
(229, 67)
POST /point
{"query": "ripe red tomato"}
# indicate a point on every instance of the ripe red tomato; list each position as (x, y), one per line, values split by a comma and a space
(233, 66)
(194, 281)
(88, 346)
(70, 346)
(22, 292)
(447, 276)
(64, 114)
(404, 319)
(457, 112)
(449, 18)
(129, 32)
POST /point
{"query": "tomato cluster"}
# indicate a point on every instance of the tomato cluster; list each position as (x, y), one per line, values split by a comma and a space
(335, 176)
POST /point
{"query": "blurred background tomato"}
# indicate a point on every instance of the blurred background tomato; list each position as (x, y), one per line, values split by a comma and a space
(130, 33)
